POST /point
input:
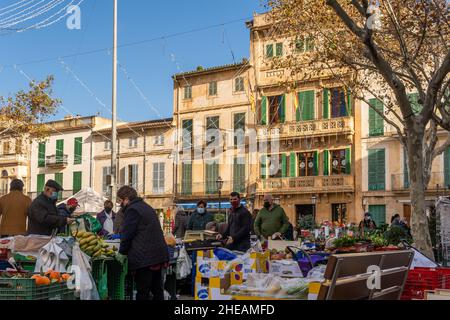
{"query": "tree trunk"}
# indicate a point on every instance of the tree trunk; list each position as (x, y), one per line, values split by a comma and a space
(419, 225)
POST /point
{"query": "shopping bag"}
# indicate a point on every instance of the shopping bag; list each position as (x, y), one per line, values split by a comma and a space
(51, 257)
(184, 264)
(84, 282)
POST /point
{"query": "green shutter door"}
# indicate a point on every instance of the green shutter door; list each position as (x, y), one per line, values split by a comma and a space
(238, 176)
(306, 102)
(316, 158)
(348, 161)
(41, 155)
(378, 213)
(269, 50)
(59, 180)
(279, 49)
(377, 169)
(326, 162)
(376, 122)
(292, 165)
(349, 102)
(40, 183)
(59, 150)
(283, 165)
(78, 150)
(264, 110)
(447, 166)
(76, 181)
(326, 104)
(298, 115)
(186, 179)
(283, 108)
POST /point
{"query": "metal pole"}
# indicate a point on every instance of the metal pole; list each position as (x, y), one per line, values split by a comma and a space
(114, 111)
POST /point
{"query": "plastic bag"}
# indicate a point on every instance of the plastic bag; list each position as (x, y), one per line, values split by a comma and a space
(184, 264)
(84, 282)
(92, 223)
(51, 257)
(317, 273)
(224, 254)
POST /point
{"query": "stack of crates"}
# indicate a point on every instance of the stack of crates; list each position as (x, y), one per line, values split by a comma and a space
(421, 279)
(100, 275)
(117, 273)
(26, 289)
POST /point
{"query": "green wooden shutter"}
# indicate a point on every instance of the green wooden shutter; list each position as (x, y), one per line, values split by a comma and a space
(306, 102)
(264, 110)
(298, 115)
(279, 49)
(238, 176)
(283, 108)
(41, 155)
(377, 173)
(59, 150)
(376, 122)
(269, 50)
(76, 185)
(283, 165)
(263, 167)
(326, 104)
(40, 183)
(78, 152)
(326, 162)
(60, 180)
(316, 168)
(186, 180)
(378, 213)
(447, 166)
(348, 161)
(349, 102)
(292, 164)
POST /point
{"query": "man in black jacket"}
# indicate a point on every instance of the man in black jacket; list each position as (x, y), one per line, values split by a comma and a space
(237, 234)
(43, 215)
(142, 240)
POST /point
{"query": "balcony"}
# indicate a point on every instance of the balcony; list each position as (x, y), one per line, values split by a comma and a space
(400, 182)
(56, 161)
(12, 159)
(313, 128)
(313, 184)
(208, 189)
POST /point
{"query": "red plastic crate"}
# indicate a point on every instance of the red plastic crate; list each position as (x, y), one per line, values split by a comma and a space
(421, 279)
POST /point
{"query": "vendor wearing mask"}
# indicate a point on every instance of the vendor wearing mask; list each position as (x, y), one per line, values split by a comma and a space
(271, 221)
(43, 215)
(367, 224)
(200, 217)
(237, 234)
(66, 210)
(106, 219)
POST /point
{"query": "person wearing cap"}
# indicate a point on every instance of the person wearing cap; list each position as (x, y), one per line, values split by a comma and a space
(367, 224)
(43, 217)
(66, 210)
(13, 210)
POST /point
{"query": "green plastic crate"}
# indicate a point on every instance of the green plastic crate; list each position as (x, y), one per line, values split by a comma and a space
(117, 274)
(100, 275)
(26, 289)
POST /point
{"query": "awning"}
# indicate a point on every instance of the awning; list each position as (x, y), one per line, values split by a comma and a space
(211, 205)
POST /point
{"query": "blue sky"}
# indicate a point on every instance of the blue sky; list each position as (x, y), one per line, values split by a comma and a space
(149, 64)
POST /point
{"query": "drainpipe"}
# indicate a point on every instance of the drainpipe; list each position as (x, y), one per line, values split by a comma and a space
(175, 158)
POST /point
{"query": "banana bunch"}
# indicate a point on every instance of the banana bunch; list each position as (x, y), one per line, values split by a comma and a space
(93, 245)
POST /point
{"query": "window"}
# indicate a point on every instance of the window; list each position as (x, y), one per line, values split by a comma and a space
(129, 176)
(305, 110)
(239, 174)
(40, 183)
(59, 178)
(212, 88)
(376, 122)
(269, 51)
(186, 178)
(340, 161)
(59, 151)
(339, 212)
(307, 164)
(378, 213)
(78, 150)
(6, 147)
(132, 142)
(277, 165)
(279, 49)
(304, 45)
(159, 140)
(107, 145)
(276, 109)
(377, 169)
(188, 92)
(239, 84)
(158, 177)
(105, 183)
(41, 155)
(187, 134)
(239, 129)
(211, 174)
(77, 180)
(338, 103)
(212, 131)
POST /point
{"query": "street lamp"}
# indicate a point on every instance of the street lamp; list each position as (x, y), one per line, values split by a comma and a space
(219, 184)
(313, 200)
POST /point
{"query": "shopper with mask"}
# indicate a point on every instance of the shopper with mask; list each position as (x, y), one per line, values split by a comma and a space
(200, 217)
(66, 210)
(106, 219)
(237, 234)
(43, 215)
(271, 222)
(142, 240)
(367, 225)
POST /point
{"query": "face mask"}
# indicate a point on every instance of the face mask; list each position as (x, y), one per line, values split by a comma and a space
(235, 204)
(108, 210)
(266, 204)
(201, 210)
(54, 196)
(367, 218)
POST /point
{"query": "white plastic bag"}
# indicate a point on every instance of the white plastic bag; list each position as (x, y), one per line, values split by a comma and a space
(184, 264)
(51, 257)
(85, 284)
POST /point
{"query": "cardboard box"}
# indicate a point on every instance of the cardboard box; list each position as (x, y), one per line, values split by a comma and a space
(285, 268)
(214, 288)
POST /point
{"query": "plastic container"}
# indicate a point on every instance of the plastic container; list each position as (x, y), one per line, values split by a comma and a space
(421, 279)
(26, 289)
(117, 273)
